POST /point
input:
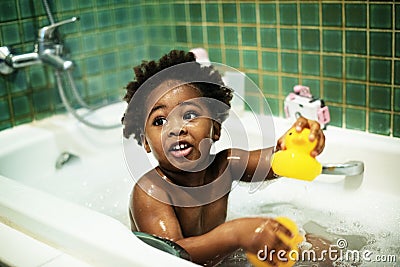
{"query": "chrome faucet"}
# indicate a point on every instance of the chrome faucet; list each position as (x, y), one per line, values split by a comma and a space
(351, 168)
(47, 50)
(47, 33)
(64, 158)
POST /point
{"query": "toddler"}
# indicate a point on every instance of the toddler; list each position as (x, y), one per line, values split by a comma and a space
(176, 108)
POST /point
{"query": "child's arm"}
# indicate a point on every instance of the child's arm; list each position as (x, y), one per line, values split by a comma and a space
(251, 166)
(251, 234)
(152, 216)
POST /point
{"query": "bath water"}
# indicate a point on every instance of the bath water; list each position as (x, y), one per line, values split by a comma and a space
(367, 221)
(98, 182)
(362, 226)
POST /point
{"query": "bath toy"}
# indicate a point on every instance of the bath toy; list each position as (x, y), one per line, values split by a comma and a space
(302, 102)
(296, 161)
(292, 242)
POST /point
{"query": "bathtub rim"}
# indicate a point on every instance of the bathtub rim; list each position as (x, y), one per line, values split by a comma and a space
(36, 253)
(91, 243)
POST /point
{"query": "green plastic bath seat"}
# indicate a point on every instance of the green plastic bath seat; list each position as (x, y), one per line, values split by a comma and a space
(164, 245)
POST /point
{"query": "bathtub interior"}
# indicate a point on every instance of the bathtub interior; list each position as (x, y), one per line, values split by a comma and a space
(363, 209)
(80, 209)
(96, 178)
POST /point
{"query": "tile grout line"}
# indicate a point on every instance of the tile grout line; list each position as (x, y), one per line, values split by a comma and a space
(240, 36)
(344, 80)
(221, 16)
(204, 24)
(368, 71)
(259, 58)
(299, 41)
(391, 126)
(279, 52)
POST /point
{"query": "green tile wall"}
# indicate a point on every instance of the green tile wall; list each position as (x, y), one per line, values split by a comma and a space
(348, 52)
(108, 40)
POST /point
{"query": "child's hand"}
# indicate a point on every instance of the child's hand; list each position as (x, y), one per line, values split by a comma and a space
(315, 134)
(260, 236)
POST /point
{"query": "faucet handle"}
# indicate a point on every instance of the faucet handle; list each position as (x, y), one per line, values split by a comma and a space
(5, 53)
(46, 32)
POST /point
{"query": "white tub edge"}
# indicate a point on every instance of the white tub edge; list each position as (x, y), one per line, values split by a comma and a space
(35, 253)
(84, 234)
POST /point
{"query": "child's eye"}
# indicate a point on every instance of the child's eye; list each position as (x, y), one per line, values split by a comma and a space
(190, 115)
(159, 121)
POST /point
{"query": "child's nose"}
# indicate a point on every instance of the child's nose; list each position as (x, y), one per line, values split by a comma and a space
(175, 127)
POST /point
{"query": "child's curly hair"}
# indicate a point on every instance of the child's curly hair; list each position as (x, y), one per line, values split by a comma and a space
(210, 85)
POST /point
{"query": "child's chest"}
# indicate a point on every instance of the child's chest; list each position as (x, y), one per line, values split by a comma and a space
(199, 220)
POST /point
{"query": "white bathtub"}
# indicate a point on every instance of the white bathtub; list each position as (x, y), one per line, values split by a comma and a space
(75, 216)
(79, 213)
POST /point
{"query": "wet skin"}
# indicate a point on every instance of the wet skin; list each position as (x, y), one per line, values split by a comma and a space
(179, 132)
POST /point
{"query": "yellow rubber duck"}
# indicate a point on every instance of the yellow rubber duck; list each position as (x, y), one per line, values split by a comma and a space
(293, 243)
(296, 161)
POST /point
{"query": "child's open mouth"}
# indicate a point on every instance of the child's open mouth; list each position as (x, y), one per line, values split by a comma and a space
(180, 149)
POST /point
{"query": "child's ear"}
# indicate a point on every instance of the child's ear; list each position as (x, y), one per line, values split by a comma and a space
(145, 143)
(217, 131)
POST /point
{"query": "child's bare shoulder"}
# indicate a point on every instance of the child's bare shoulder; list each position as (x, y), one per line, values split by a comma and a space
(221, 159)
(233, 156)
(149, 186)
(237, 161)
(228, 160)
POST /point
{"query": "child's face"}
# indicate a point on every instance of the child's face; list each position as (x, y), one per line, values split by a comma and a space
(179, 130)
